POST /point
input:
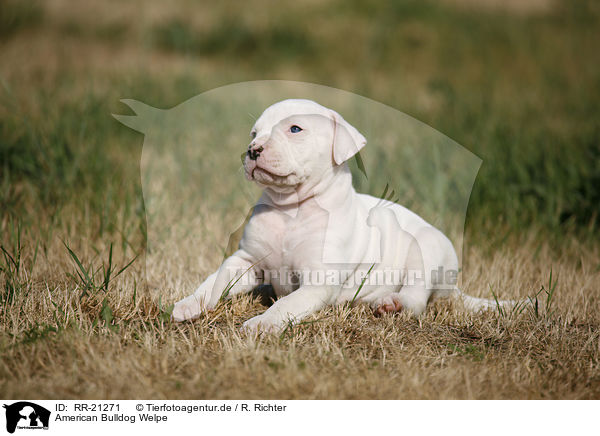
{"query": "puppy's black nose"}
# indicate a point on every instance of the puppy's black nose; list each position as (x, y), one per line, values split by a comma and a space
(253, 153)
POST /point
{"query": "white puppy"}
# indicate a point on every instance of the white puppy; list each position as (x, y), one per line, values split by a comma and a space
(315, 239)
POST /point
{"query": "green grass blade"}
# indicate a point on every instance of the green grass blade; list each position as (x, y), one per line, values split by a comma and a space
(361, 284)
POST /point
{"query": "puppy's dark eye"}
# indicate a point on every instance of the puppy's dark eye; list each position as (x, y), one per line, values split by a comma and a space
(295, 129)
(253, 134)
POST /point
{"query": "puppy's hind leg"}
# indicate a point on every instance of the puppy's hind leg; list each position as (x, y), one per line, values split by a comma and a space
(387, 304)
(415, 293)
(411, 298)
(414, 299)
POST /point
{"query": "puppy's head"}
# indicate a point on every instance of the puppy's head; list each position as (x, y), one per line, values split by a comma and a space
(295, 142)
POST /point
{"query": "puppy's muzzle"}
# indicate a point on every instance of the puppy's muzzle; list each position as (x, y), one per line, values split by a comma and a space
(254, 151)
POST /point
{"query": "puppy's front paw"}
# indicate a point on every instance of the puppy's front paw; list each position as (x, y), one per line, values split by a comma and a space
(260, 324)
(187, 309)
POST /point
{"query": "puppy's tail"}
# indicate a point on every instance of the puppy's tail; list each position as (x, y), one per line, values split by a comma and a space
(474, 304)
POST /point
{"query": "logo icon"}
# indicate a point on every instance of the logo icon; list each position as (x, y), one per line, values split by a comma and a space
(26, 415)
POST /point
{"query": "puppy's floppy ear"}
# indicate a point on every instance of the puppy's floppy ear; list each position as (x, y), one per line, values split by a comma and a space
(347, 141)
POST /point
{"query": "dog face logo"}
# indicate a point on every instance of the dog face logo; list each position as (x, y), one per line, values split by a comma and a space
(26, 415)
(195, 190)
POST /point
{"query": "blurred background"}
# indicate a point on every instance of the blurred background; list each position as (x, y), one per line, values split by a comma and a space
(515, 82)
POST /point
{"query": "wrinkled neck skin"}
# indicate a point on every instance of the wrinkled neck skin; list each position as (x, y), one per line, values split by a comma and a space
(331, 190)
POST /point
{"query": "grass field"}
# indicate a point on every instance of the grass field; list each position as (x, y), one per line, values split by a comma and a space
(84, 301)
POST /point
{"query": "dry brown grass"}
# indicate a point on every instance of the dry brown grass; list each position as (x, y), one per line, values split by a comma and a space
(340, 353)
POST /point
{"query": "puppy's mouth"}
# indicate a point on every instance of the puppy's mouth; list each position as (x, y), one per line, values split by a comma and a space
(267, 177)
(270, 177)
